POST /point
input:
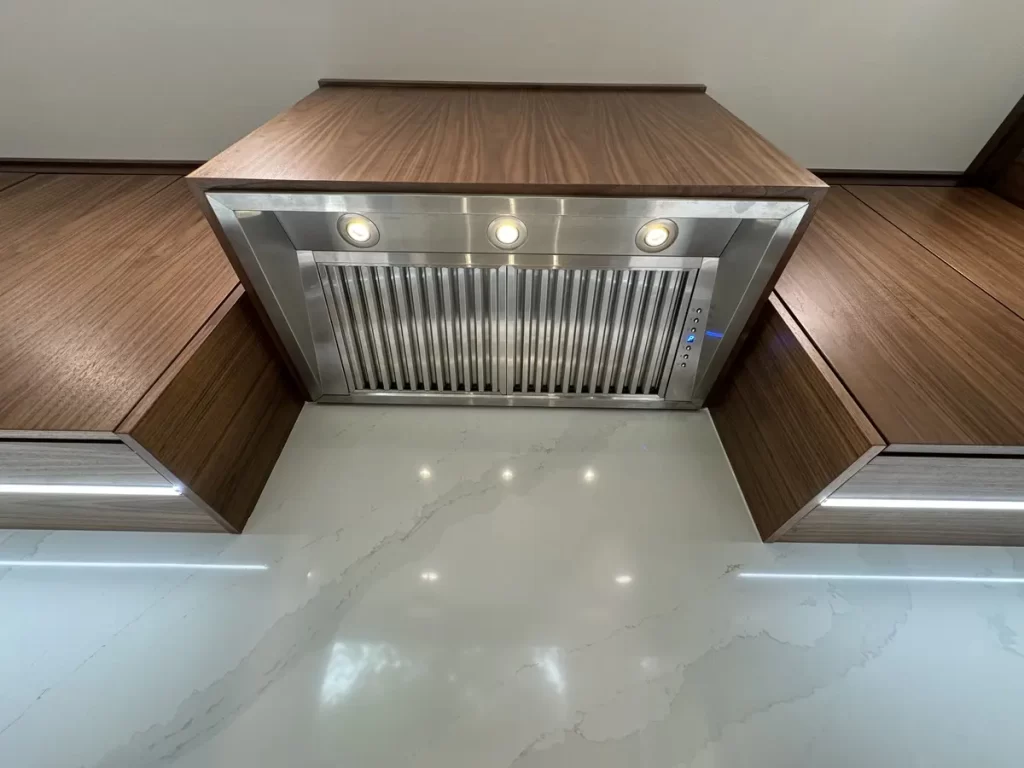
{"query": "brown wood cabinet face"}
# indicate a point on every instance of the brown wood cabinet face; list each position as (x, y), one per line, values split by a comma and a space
(789, 428)
(978, 234)
(106, 278)
(929, 356)
(219, 417)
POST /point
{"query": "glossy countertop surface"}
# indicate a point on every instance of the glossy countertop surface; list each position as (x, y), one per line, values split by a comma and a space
(504, 587)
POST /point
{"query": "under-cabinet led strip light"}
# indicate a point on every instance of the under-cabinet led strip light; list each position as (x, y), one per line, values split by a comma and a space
(128, 564)
(91, 490)
(882, 577)
(922, 504)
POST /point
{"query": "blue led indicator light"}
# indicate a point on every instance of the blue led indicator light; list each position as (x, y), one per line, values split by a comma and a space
(713, 334)
(690, 339)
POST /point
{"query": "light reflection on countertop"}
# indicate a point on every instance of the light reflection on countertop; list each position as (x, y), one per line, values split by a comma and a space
(505, 587)
(350, 661)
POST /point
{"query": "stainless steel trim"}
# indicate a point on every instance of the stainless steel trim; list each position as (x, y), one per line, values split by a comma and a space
(616, 330)
(521, 260)
(432, 320)
(355, 307)
(464, 318)
(647, 312)
(430, 308)
(280, 293)
(396, 259)
(524, 261)
(325, 343)
(763, 261)
(691, 338)
(402, 346)
(653, 297)
(450, 343)
(373, 314)
(346, 344)
(652, 402)
(663, 328)
(405, 328)
(528, 329)
(607, 278)
(607, 236)
(478, 336)
(512, 330)
(572, 321)
(588, 325)
(636, 293)
(544, 349)
(501, 362)
(520, 207)
(391, 333)
(675, 339)
(558, 322)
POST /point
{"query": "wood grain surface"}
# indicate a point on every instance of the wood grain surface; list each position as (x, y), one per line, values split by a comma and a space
(105, 280)
(910, 526)
(85, 463)
(334, 82)
(1010, 183)
(32, 165)
(531, 140)
(977, 233)
(923, 477)
(790, 430)
(938, 477)
(219, 416)
(10, 179)
(929, 356)
(104, 513)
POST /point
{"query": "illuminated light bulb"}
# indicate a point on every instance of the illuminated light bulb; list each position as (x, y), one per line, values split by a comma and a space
(623, 578)
(425, 473)
(507, 233)
(358, 231)
(656, 237)
(430, 576)
(589, 475)
(507, 474)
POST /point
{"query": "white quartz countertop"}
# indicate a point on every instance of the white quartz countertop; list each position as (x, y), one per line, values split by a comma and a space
(478, 588)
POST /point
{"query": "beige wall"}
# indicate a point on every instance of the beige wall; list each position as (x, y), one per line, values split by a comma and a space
(871, 84)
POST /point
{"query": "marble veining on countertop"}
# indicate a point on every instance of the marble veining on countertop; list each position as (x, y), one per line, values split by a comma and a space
(504, 587)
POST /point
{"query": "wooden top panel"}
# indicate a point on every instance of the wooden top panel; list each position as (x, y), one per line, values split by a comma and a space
(930, 357)
(977, 233)
(105, 279)
(480, 139)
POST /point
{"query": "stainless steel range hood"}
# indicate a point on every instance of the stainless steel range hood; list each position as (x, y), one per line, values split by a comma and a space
(486, 300)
